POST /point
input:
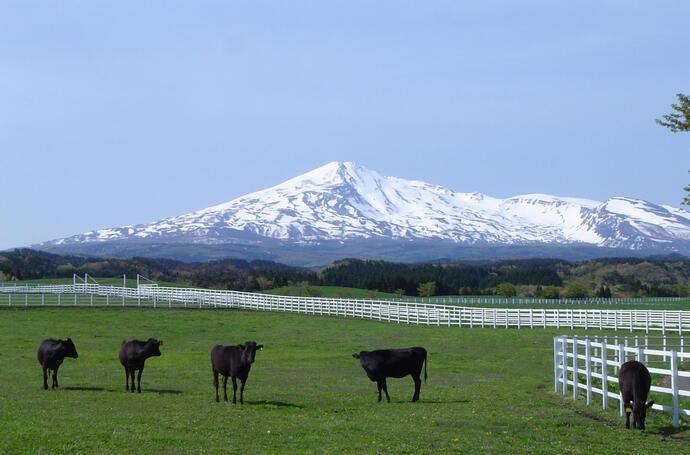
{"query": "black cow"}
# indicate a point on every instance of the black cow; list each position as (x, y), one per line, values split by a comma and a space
(393, 363)
(234, 361)
(50, 355)
(133, 354)
(634, 382)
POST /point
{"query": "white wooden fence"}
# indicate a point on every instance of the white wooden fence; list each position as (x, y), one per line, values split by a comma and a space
(589, 366)
(453, 300)
(375, 309)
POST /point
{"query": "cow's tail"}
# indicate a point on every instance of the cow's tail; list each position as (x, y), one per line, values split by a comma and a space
(425, 367)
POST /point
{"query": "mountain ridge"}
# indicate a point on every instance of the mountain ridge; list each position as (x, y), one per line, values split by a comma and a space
(345, 202)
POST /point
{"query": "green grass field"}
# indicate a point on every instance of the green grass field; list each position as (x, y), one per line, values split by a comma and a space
(488, 390)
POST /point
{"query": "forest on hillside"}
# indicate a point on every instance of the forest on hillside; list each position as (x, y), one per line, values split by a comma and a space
(549, 278)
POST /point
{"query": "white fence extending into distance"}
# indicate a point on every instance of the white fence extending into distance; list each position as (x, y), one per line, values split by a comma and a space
(589, 366)
(375, 309)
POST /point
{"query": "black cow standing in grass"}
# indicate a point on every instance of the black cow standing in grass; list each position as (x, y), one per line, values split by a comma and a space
(133, 354)
(234, 361)
(393, 363)
(51, 354)
(635, 381)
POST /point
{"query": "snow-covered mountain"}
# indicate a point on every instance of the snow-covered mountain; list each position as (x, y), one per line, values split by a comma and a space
(343, 201)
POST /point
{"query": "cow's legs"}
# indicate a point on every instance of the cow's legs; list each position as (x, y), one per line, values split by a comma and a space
(379, 385)
(45, 378)
(225, 388)
(55, 378)
(132, 372)
(242, 391)
(417, 385)
(234, 390)
(138, 379)
(126, 379)
(385, 390)
(627, 420)
(215, 384)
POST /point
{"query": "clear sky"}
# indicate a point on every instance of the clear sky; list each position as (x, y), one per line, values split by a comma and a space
(127, 111)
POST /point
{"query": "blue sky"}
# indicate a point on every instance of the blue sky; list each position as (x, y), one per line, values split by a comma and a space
(124, 112)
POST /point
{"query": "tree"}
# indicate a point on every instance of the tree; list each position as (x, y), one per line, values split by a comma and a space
(679, 121)
(506, 289)
(576, 291)
(604, 292)
(552, 292)
(680, 290)
(427, 289)
(399, 292)
(538, 291)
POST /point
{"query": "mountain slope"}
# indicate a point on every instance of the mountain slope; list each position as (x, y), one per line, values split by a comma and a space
(345, 202)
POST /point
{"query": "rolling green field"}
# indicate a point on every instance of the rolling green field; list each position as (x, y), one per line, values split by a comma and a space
(488, 390)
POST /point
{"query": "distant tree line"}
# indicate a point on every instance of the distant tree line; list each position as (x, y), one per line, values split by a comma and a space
(446, 278)
(544, 278)
(233, 274)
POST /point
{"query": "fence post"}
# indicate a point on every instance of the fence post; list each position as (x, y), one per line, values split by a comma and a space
(588, 371)
(575, 370)
(621, 361)
(604, 376)
(674, 388)
(564, 352)
(555, 365)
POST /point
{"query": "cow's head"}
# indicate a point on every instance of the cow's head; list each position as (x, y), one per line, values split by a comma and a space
(155, 346)
(249, 349)
(639, 412)
(69, 349)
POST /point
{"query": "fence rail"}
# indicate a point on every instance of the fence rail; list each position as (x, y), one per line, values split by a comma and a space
(590, 367)
(441, 300)
(382, 310)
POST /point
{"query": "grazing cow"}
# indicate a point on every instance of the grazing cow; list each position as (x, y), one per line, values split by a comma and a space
(634, 381)
(393, 363)
(51, 353)
(133, 354)
(234, 361)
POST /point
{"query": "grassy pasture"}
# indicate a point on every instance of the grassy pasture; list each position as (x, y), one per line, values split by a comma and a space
(488, 390)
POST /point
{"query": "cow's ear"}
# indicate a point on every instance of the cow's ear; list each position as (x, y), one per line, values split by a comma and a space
(649, 404)
(69, 339)
(241, 346)
(355, 355)
(160, 343)
(260, 347)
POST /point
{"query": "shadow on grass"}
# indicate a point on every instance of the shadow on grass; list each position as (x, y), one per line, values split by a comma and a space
(675, 433)
(278, 404)
(87, 389)
(442, 401)
(163, 391)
